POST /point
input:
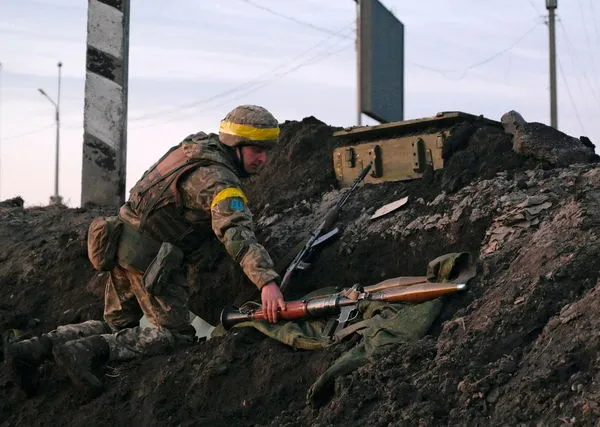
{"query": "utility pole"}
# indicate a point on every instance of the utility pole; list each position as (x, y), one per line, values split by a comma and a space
(104, 160)
(551, 5)
(56, 199)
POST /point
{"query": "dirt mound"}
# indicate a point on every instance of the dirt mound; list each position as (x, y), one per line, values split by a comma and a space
(520, 347)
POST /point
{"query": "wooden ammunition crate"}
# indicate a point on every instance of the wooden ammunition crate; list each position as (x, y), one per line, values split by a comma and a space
(401, 150)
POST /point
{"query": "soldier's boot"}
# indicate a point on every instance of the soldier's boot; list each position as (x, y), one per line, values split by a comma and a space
(23, 359)
(80, 358)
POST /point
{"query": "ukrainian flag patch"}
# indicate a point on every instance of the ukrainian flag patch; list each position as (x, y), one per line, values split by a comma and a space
(236, 204)
(230, 200)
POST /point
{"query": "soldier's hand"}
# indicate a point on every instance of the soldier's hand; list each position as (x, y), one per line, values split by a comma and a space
(272, 301)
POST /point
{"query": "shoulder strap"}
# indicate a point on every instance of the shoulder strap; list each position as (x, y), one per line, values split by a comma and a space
(358, 326)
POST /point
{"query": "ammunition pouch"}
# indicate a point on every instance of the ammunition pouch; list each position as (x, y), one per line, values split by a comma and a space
(136, 249)
(158, 274)
(104, 234)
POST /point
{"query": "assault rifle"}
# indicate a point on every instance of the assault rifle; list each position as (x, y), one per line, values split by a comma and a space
(299, 261)
(345, 302)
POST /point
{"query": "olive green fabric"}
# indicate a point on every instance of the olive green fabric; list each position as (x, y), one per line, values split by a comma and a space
(158, 273)
(456, 267)
(136, 249)
(395, 323)
(383, 324)
(306, 334)
(390, 324)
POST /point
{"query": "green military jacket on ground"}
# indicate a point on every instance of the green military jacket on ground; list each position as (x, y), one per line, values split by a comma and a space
(383, 324)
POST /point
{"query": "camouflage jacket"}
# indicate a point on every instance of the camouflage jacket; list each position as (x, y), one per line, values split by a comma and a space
(192, 194)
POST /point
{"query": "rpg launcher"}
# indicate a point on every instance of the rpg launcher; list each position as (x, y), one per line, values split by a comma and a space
(317, 236)
(345, 302)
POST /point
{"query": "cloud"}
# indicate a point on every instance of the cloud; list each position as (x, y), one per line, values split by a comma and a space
(196, 50)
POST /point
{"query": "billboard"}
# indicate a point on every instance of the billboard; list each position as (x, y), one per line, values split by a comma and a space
(381, 63)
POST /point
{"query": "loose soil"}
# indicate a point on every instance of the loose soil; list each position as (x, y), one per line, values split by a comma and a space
(519, 347)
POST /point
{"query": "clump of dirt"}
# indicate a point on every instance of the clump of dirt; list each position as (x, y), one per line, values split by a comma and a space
(519, 347)
(546, 143)
(300, 166)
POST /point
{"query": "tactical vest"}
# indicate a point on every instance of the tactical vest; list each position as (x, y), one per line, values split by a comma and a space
(156, 199)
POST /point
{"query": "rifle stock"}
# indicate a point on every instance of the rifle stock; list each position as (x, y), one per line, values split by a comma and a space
(331, 304)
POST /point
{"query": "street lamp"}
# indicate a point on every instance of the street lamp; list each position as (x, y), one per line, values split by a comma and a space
(56, 199)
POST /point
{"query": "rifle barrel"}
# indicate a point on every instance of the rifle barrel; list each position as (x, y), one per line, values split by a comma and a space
(324, 225)
(357, 181)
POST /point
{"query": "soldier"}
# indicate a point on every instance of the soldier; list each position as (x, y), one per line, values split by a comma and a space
(191, 194)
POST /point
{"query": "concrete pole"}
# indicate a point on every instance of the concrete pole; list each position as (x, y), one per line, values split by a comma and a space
(105, 111)
(57, 200)
(551, 5)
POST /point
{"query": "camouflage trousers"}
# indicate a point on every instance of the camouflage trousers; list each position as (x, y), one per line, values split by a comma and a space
(126, 344)
(66, 333)
(125, 302)
(130, 343)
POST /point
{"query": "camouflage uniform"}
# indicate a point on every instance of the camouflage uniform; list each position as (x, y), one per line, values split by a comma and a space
(192, 194)
(204, 202)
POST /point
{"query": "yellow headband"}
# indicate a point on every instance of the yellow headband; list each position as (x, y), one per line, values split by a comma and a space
(248, 131)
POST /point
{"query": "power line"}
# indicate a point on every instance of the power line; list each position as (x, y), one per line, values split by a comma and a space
(596, 25)
(251, 89)
(571, 53)
(58, 5)
(464, 71)
(38, 35)
(241, 87)
(562, 73)
(587, 37)
(534, 7)
(28, 133)
(310, 61)
(291, 18)
(573, 61)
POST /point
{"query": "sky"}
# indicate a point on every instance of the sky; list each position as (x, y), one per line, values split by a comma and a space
(195, 60)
